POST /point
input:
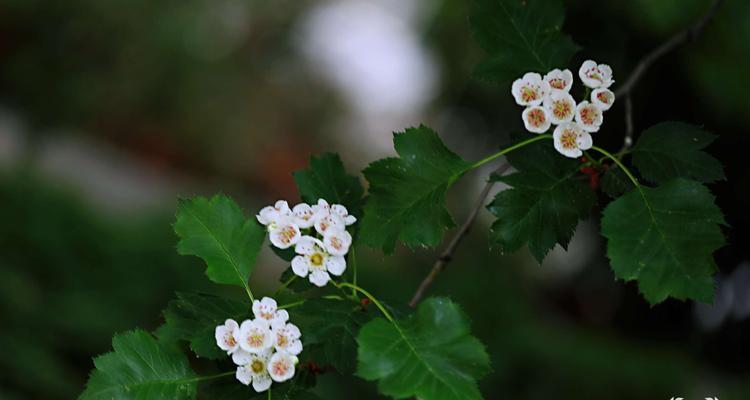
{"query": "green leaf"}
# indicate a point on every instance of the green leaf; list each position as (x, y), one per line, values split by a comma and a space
(327, 179)
(330, 329)
(674, 150)
(521, 36)
(664, 237)
(615, 183)
(216, 231)
(544, 206)
(140, 368)
(193, 317)
(429, 355)
(407, 194)
(229, 389)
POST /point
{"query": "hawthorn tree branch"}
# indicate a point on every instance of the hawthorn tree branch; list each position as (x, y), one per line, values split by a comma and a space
(682, 37)
(447, 255)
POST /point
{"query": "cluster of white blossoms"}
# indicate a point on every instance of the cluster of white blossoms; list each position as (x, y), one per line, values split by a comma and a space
(265, 349)
(548, 102)
(318, 234)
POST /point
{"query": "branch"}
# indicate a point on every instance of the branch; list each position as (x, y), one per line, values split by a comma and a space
(447, 254)
(687, 35)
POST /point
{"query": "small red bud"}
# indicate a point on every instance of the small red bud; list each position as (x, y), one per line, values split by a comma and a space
(584, 159)
(365, 302)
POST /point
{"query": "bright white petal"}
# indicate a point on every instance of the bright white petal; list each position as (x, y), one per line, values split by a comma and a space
(337, 243)
(242, 357)
(350, 219)
(281, 366)
(285, 235)
(307, 245)
(336, 265)
(295, 347)
(243, 375)
(300, 266)
(319, 278)
(585, 141)
(262, 382)
(535, 119)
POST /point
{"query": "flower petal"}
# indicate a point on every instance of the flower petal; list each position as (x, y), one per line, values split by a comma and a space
(336, 265)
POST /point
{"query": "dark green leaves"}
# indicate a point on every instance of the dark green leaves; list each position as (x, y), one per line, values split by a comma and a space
(520, 36)
(330, 329)
(544, 205)
(216, 231)
(327, 179)
(140, 368)
(407, 194)
(674, 150)
(664, 237)
(429, 355)
(193, 317)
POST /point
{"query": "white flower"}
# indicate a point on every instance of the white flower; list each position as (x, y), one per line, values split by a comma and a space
(595, 76)
(529, 90)
(314, 260)
(560, 80)
(337, 242)
(560, 107)
(326, 221)
(255, 335)
(321, 208)
(286, 338)
(535, 119)
(570, 139)
(228, 336)
(589, 116)
(284, 233)
(255, 370)
(602, 97)
(281, 366)
(342, 212)
(303, 215)
(267, 309)
(269, 215)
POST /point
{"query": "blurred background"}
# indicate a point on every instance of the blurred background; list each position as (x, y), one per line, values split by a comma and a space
(110, 110)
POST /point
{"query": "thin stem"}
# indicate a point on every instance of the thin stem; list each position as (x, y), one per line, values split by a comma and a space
(619, 164)
(285, 285)
(207, 377)
(269, 393)
(333, 297)
(508, 150)
(293, 304)
(369, 296)
(447, 254)
(629, 130)
(249, 293)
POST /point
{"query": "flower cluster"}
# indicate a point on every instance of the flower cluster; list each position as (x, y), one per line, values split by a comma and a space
(318, 234)
(548, 102)
(265, 349)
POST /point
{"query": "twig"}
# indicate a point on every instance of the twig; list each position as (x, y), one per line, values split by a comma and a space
(447, 254)
(629, 131)
(687, 35)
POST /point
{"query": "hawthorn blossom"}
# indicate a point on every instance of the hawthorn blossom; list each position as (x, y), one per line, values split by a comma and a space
(228, 336)
(304, 216)
(315, 261)
(530, 89)
(589, 116)
(570, 139)
(255, 336)
(267, 309)
(603, 98)
(535, 119)
(342, 212)
(272, 214)
(281, 366)
(328, 221)
(286, 337)
(595, 75)
(560, 107)
(255, 370)
(337, 242)
(284, 233)
(560, 80)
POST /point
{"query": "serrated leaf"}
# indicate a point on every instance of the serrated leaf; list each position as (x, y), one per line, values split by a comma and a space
(674, 150)
(521, 36)
(664, 237)
(544, 206)
(193, 317)
(615, 183)
(331, 329)
(327, 179)
(140, 368)
(407, 194)
(216, 231)
(429, 355)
